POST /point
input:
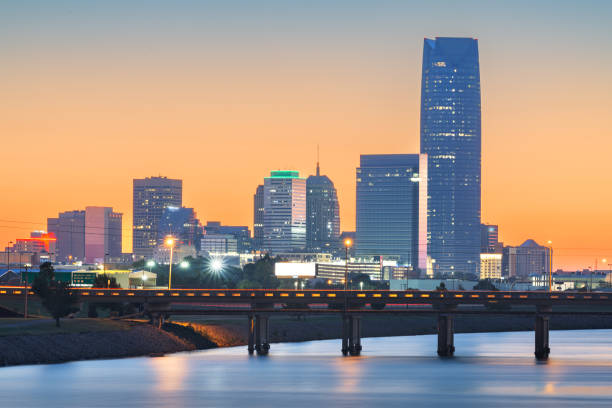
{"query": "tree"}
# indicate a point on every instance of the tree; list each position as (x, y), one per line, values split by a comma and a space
(259, 275)
(485, 284)
(56, 296)
(106, 281)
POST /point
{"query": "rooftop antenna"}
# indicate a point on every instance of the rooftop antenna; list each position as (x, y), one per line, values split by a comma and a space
(318, 172)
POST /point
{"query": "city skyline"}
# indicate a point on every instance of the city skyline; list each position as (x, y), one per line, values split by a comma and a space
(535, 85)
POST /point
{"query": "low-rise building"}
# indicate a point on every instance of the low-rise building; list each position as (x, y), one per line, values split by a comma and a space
(490, 266)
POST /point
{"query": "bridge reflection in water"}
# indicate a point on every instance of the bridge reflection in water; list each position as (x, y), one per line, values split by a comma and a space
(258, 305)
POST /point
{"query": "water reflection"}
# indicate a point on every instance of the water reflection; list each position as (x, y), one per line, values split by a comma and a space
(490, 369)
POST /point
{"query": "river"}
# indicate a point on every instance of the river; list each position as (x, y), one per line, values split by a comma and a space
(490, 369)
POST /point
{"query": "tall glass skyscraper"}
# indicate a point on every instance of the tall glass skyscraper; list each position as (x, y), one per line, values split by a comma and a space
(152, 195)
(284, 224)
(389, 208)
(258, 217)
(322, 214)
(451, 136)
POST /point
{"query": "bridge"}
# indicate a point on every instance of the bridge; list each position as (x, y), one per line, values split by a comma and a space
(258, 305)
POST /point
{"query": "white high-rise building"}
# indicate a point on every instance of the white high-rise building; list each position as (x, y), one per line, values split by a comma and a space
(284, 224)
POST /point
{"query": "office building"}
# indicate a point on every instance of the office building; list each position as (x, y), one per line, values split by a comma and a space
(181, 223)
(322, 214)
(103, 234)
(219, 243)
(242, 234)
(526, 260)
(69, 231)
(451, 137)
(152, 195)
(391, 208)
(489, 239)
(284, 212)
(490, 266)
(258, 217)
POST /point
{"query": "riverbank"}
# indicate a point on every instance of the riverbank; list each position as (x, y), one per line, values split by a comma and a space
(38, 341)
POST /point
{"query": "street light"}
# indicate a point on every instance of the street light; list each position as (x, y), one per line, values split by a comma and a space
(8, 256)
(170, 243)
(216, 264)
(26, 290)
(347, 244)
(184, 264)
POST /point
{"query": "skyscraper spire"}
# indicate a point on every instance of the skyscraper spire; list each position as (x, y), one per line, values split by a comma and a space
(318, 172)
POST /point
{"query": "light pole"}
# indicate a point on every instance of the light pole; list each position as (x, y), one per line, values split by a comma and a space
(347, 244)
(8, 256)
(26, 290)
(170, 243)
(550, 265)
(150, 264)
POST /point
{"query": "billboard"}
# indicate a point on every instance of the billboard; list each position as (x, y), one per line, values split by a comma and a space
(294, 269)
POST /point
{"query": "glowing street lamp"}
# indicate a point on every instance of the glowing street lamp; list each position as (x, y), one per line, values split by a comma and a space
(184, 264)
(170, 243)
(216, 265)
(347, 244)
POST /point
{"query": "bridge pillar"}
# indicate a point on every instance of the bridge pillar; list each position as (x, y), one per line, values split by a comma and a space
(355, 336)
(542, 326)
(262, 334)
(351, 335)
(251, 346)
(446, 335)
(346, 322)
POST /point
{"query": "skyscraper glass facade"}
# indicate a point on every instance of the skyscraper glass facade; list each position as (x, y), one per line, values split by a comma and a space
(322, 214)
(451, 137)
(152, 195)
(258, 217)
(388, 204)
(284, 212)
(182, 223)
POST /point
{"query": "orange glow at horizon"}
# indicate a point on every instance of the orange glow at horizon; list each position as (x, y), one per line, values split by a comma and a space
(77, 128)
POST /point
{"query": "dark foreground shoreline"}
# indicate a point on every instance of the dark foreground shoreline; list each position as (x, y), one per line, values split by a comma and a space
(199, 333)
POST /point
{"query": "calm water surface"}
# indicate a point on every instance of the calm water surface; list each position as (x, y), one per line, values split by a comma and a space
(489, 369)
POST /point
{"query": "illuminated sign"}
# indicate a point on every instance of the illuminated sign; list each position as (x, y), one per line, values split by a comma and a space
(294, 269)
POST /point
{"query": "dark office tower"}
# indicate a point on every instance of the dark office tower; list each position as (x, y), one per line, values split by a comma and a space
(450, 135)
(322, 214)
(151, 197)
(258, 217)
(392, 208)
(69, 229)
(181, 223)
(489, 239)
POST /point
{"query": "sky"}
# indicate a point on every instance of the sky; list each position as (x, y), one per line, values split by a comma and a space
(218, 93)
